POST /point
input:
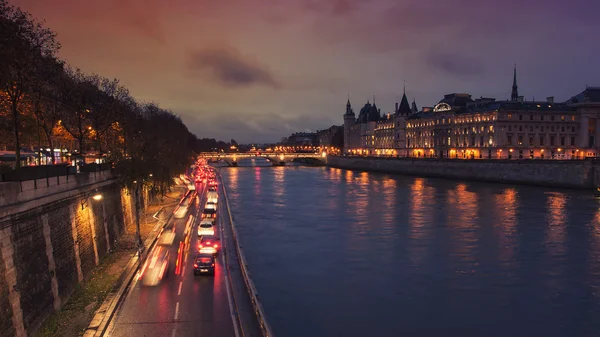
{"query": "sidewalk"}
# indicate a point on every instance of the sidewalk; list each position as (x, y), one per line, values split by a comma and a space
(147, 221)
(78, 312)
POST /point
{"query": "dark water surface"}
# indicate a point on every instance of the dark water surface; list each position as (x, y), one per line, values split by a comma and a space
(342, 253)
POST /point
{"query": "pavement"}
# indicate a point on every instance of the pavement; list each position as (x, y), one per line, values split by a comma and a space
(150, 223)
(183, 304)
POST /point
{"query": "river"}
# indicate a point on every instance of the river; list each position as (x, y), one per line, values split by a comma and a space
(342, 253)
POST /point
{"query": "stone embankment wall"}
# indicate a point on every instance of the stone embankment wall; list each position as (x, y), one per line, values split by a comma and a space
(52, 235)
(557, 173)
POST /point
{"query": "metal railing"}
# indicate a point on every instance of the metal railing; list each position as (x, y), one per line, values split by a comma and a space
(252, 292)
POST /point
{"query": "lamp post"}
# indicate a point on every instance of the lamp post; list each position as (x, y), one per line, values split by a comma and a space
(96, 196)
(138, 235)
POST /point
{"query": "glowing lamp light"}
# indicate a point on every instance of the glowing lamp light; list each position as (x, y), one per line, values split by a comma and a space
(281, 157)
(323, 154)
(97, 197)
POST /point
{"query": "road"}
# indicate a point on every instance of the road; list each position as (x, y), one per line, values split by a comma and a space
(182, 304)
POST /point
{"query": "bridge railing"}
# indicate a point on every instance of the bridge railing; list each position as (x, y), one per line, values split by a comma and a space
(252, 292)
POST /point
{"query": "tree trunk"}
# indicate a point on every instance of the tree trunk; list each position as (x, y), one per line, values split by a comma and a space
(81, 135)
(15, 114)
(51, 148)
(98, 140)
(137, 217)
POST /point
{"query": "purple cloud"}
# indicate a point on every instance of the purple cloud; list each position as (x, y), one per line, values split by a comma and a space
(454, 64)
(229, 67)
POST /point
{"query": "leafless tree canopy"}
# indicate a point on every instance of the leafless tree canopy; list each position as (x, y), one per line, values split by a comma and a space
(43, 98)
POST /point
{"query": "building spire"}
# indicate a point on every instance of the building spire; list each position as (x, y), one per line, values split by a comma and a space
(348, 103)
(373, 99)
(514, 96)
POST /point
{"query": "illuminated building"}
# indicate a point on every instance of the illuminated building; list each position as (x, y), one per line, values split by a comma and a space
(374, 134)
(465, 128)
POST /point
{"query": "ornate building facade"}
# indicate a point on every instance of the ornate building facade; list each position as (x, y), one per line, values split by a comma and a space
(483, 128)
(375, 134)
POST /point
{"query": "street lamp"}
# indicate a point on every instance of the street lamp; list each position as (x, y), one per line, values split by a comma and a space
(96, 196)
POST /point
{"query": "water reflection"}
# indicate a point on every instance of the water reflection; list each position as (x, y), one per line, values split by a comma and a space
(594, 254)
(420, 219)
(232, 182)
(257, 188)
(279, 186)
(489, 258)
(462, 221)
(506, 224)
(389, 201)
(555, 242)
(556, 230)
(361, 204)
(349, 176)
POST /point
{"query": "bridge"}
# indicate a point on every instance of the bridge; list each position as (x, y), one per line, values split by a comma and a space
(278, 159)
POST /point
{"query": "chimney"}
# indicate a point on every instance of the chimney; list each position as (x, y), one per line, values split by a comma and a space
(396, 107)
(520, 99)
(550, 99)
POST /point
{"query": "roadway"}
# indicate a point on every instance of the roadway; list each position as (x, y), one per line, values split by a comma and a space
(182, 304)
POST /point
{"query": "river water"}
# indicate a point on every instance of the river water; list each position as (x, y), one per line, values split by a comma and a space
(344, 253)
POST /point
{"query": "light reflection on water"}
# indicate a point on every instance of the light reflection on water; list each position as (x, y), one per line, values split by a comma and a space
(505, 223)
(342, 253)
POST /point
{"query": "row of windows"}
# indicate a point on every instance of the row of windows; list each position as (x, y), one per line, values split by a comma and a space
(552, 117)
(450, 120)
(509, 140)
(551, 128)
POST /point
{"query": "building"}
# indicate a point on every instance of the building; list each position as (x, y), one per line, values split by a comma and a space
(303, 139)
(465, 128)
(326, 136)
(375, 134)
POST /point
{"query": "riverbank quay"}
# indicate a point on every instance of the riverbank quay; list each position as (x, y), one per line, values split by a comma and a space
(93, 298)
(576, 174)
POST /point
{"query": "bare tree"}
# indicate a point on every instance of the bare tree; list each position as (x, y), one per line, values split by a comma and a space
(45, 106)
(74, 114)
(105, 106)
(23, 41)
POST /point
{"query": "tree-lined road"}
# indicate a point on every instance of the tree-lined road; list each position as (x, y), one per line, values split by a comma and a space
(182, 304)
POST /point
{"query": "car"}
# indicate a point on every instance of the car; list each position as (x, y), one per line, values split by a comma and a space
(209, 244)
(212, 196)
(206, 227)
(210, 204)
(156, 267)
(209, 213)
(212, 188)
(204, 263)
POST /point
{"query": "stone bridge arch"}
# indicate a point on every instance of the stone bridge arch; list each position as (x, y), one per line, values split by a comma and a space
(275, 159)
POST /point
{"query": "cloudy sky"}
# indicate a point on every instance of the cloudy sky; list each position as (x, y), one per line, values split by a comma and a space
(258, 70)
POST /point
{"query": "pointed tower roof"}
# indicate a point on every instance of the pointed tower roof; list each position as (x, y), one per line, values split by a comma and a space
(514, 96)
(349, 111)
(363, 115)
(404, 108)
(414, 108)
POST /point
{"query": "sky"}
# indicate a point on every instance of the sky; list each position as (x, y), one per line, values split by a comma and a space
(258, 70)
